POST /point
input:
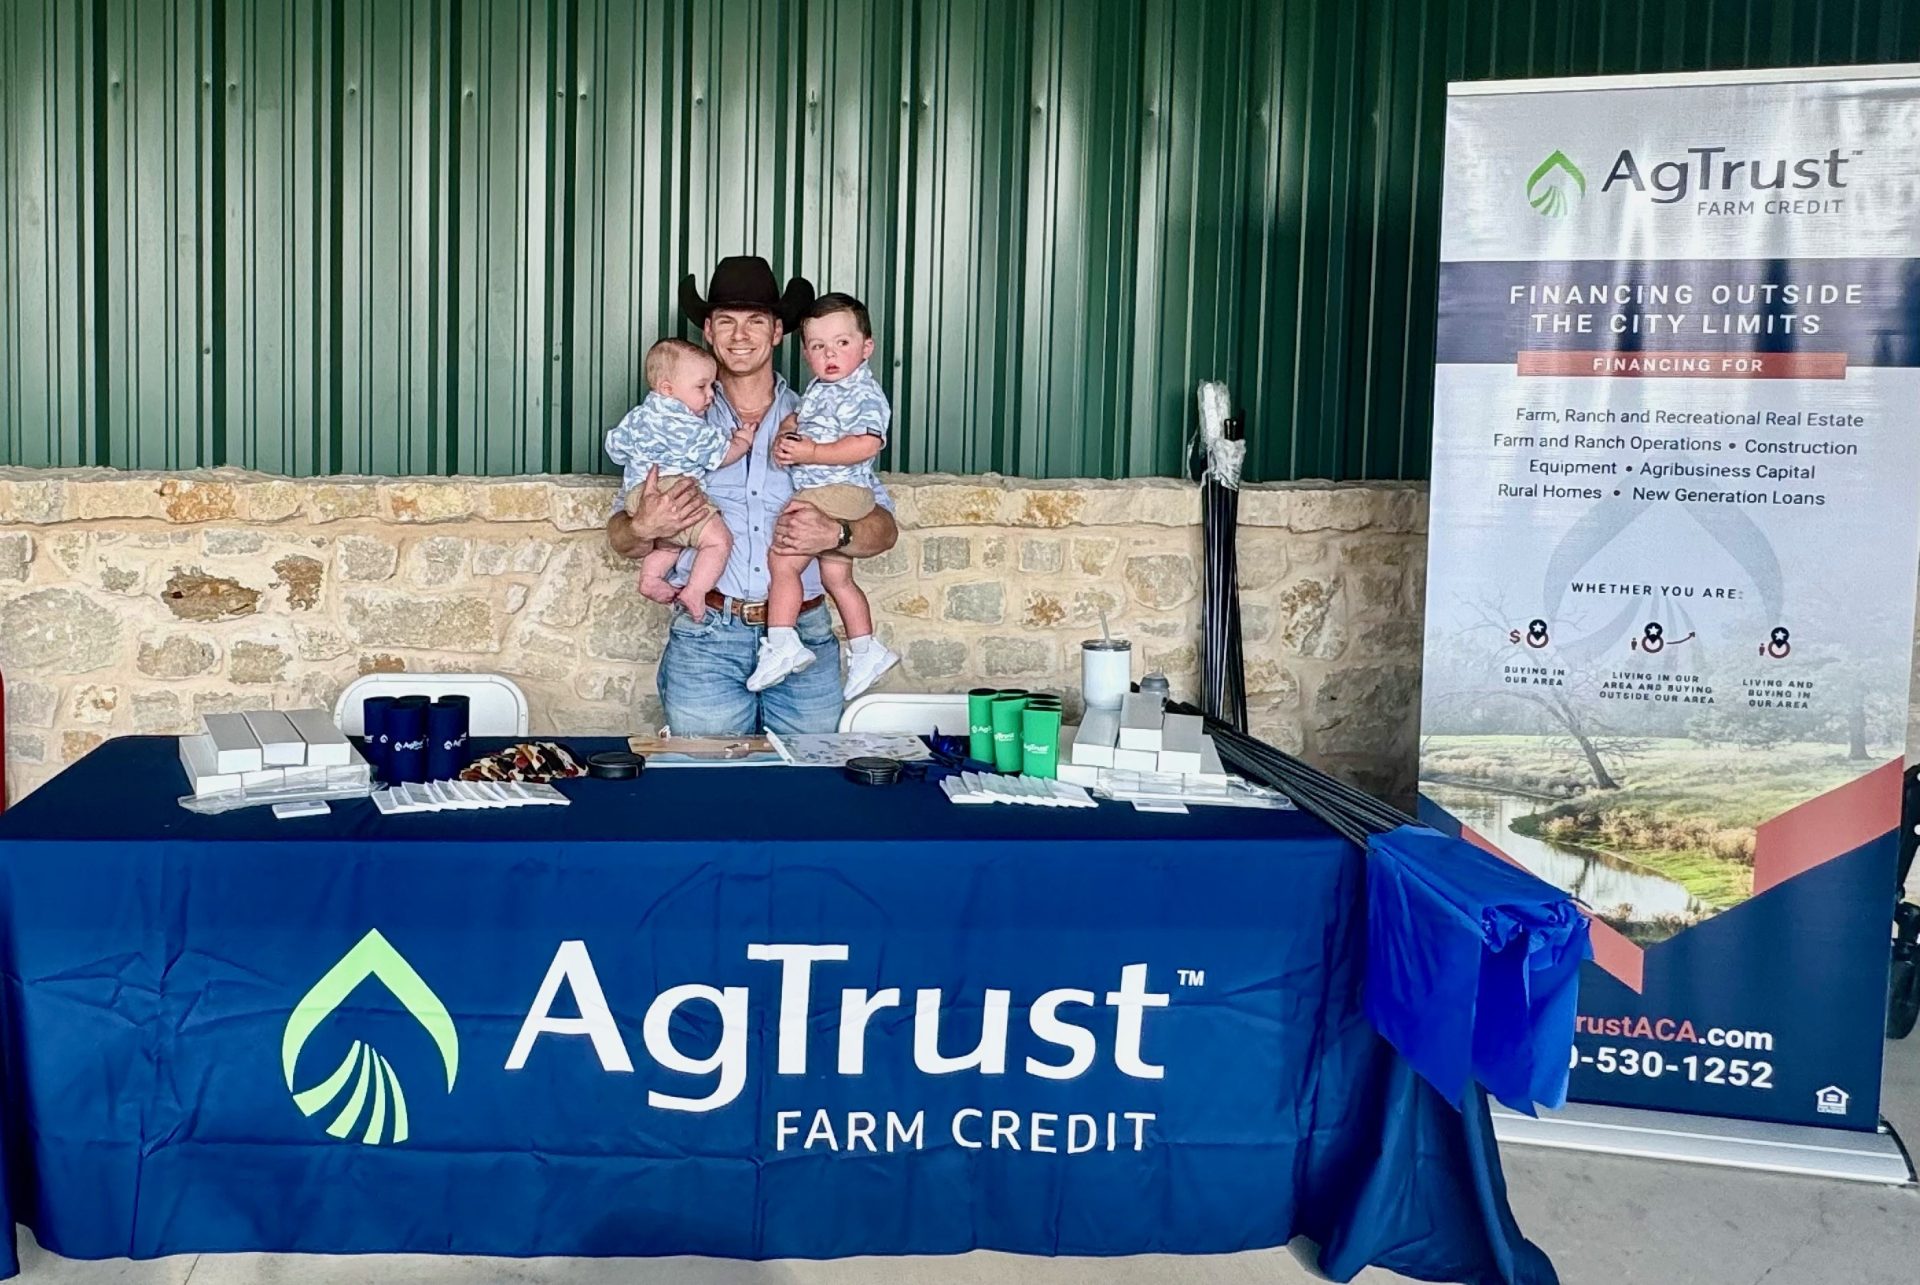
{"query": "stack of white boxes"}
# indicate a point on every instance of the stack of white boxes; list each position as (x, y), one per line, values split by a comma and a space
(1140, 737)
(270, 750)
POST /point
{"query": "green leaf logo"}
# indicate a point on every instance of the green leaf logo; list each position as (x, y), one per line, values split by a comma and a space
(1546, 186)
(376, 1093)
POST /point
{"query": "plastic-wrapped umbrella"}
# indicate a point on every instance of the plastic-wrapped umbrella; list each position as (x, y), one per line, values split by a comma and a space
(1473, 964)
(1223, 685)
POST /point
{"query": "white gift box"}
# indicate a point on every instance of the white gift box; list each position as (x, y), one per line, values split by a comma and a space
(235, 748)
(280, 745)
(327, 745)
(1140, 719)
(1180, 737)
(1093, 743)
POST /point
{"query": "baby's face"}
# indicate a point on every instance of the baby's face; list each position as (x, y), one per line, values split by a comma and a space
(692, 383)
(834, 345)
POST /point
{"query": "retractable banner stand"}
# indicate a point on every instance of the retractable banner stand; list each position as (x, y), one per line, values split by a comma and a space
(1675, 520)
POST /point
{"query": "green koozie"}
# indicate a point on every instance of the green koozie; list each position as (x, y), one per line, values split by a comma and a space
(980, 723)
(1007, 708)
(1040, 739)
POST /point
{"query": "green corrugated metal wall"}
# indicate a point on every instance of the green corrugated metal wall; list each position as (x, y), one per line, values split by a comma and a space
(424, 236)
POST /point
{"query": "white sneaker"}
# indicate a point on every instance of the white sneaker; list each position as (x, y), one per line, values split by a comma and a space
(779, 659)
(865, 668)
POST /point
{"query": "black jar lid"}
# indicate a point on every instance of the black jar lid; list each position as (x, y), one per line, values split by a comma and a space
(871, 770)
(615, 765)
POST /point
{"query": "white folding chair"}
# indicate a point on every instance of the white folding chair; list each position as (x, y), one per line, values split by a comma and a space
(908, 713)
(499, 707)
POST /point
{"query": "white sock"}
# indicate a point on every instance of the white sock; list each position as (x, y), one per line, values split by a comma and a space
(784, 638)
(862, 645)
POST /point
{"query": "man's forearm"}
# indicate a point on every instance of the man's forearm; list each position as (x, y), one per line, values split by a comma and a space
(624, 542)
(873, 534)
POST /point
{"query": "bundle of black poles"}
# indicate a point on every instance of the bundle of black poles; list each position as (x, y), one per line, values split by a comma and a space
(1223, 680)
(1353, 812)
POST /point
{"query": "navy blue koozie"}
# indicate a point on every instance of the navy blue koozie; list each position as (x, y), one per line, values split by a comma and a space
(407, 743)
(447, 737)
(376, 717)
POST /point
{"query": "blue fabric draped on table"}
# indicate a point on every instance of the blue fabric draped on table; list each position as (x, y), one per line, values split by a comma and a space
(745, 1012)
(1473, 967)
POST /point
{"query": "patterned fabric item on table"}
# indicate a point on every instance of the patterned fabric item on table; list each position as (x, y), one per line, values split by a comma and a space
(533, 761)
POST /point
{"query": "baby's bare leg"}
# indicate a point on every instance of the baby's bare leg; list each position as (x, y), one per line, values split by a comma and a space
(709, 561)
(654, 570)
(836, 576)
(784, 590)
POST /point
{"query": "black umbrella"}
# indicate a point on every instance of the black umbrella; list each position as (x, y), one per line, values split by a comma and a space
(1223, 682)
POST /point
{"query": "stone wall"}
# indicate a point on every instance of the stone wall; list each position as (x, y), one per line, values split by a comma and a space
(134, 602)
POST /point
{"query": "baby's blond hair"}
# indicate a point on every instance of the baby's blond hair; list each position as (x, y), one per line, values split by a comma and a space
(664, 358)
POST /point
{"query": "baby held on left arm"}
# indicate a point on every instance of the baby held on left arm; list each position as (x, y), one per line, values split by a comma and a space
(669, 432)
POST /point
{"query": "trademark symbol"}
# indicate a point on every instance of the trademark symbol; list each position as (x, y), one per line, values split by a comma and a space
(1193, 976)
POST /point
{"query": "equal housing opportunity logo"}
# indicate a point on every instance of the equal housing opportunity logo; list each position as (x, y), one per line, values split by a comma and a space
(376, 1095)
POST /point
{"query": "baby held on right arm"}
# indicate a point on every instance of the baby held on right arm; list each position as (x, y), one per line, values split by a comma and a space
(669, 431)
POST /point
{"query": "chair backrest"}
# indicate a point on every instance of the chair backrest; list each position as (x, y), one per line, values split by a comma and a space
(499, 707)
(912, 713)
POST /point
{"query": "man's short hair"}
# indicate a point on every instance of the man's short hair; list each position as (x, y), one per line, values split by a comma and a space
(664, 358)
(833, 301)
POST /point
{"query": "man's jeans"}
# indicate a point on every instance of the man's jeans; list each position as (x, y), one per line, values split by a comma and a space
(703, 678)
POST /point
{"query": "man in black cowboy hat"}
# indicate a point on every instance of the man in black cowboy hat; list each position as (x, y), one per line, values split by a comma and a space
(703, 672)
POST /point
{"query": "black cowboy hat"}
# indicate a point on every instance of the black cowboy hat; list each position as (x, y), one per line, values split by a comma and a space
(746, 281)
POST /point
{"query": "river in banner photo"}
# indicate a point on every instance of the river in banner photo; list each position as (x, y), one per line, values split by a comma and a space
(1637, 900)
(1666, 845)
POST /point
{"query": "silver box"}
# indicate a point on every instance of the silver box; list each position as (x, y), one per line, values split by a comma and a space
(203, 778)
(1180, 737)
(280, 745)
(235, 747)
(1140, 719)
(1212, 771)
(327, 745)
(1093, 743)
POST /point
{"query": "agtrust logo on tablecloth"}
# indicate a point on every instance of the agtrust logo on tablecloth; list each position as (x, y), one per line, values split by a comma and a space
(375, 1095)
(1067, 1040)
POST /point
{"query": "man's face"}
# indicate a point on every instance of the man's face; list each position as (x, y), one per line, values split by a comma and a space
(834, 345)
(742, 339)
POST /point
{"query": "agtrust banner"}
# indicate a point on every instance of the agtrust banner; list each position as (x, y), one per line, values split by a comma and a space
(1676, 468)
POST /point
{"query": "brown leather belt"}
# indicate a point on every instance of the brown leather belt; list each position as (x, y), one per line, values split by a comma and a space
(752, 613)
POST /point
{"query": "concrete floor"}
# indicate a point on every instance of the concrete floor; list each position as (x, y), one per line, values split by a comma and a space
(1604, 1221)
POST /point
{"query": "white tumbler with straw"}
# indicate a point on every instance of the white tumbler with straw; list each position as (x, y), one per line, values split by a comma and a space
(1106, 672)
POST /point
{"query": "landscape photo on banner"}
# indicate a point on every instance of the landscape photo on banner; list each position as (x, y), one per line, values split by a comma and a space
(1673, 528)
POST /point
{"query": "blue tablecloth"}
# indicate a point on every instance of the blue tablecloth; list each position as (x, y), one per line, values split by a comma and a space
(748, 1012)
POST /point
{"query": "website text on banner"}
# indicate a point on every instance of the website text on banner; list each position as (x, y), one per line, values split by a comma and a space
(1670, 589)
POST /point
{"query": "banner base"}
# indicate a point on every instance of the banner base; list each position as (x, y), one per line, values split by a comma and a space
(1710, 1140)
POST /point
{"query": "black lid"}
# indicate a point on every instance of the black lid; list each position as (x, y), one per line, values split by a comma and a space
(615, 765)
(871, 770)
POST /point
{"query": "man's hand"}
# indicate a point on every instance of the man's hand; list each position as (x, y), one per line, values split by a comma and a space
(803, 531)
(658, 514)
